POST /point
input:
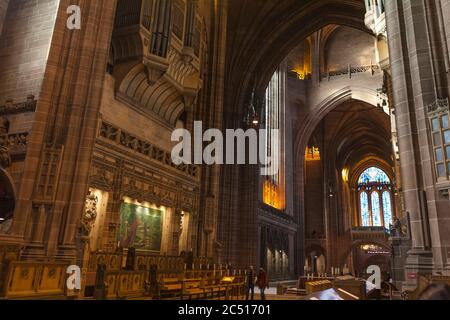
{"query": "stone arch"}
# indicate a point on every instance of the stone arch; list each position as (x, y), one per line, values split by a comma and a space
(274, 46)
(357, 243)
(371, 162)
(317, 251)
(319, 112)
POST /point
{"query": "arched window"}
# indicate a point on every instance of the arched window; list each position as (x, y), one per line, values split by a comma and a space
(375, 198)
(364, 205)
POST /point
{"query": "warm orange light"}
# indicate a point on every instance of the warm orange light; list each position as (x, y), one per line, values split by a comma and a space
(301, 74)
(345, 173)
(312, 154)
(272, 196)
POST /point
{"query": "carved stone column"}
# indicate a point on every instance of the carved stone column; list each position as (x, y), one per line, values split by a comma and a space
(416, 66)
(65, 126)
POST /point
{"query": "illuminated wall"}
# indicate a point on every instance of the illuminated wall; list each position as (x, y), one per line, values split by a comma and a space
(273, 196)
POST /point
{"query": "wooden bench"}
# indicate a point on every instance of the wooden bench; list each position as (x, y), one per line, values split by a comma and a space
(193, 289)
(214, 290)
(170, 287)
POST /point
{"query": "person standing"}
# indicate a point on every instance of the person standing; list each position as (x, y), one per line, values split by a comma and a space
(250, 283)
(262, 282)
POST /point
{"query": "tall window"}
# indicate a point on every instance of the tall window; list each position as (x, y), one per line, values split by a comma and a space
(273, 186)
(375, 198)
(441, 141)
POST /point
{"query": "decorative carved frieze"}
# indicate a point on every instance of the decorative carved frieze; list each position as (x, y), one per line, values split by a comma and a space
(144, 148)
(5, 158)
(90, 213)
(12, 146)
(14, 108)
(438, 107)
(118, 172)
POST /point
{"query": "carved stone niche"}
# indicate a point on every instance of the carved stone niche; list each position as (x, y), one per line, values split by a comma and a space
(90, 214)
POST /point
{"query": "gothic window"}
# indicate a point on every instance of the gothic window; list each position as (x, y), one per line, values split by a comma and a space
(441, 141)
(376, 210)
(387, 206)
(375, 198)
(373, 175)
(364, 203)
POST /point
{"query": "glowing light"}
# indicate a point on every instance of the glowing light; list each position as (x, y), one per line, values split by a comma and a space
(301, 75)
(345, 173)
(312, 154)
(272, 196)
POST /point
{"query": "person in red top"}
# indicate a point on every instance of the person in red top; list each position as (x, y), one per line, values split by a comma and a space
(262, 282)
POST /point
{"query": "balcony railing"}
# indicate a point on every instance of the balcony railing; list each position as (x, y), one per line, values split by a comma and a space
(370, 233)
(350, 71)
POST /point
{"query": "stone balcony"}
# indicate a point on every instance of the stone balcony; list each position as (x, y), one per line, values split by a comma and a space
(374, 234)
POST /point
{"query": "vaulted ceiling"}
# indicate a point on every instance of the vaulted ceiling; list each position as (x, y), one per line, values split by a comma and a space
(261, 33)
(356, 131)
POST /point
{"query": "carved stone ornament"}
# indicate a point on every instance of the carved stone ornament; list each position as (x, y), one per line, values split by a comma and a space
(90, 213)
(439, 106)
(5, 159)
(4, 126)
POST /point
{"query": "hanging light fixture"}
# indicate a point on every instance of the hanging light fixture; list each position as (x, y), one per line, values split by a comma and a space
(252, 118)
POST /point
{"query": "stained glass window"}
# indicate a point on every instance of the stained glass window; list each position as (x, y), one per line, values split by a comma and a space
(365, 218)
(387, 209)
(373, 174)
(376, 210)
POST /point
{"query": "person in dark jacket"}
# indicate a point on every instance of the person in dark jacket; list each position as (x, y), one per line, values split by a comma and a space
(262, 282)
(250, 282)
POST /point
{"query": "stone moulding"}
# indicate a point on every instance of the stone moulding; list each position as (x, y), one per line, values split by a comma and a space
(438, 107)
(120, 137)
(11, 108)
(15, 145)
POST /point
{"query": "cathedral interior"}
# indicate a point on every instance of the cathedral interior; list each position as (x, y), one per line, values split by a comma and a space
(91, 93)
